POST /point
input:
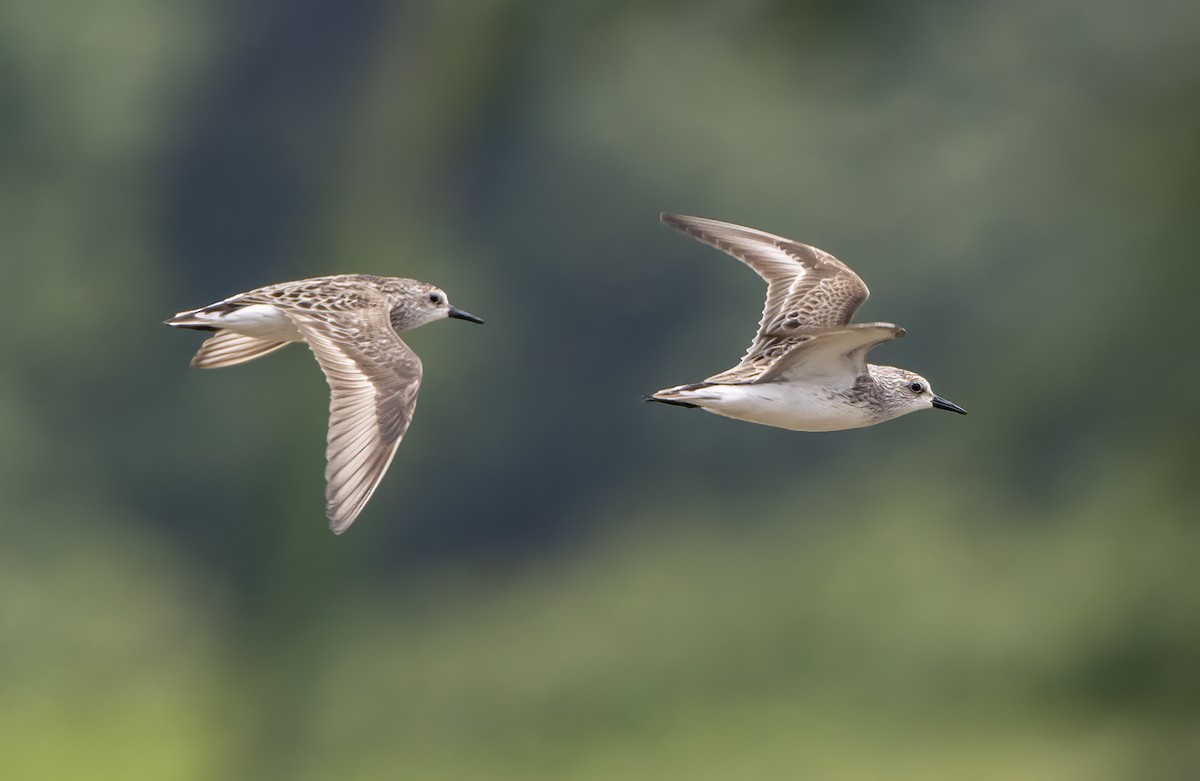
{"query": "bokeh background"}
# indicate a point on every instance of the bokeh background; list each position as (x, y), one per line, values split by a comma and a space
(556, 581)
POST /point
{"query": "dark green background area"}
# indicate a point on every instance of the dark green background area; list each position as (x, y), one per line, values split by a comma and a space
(556, 581)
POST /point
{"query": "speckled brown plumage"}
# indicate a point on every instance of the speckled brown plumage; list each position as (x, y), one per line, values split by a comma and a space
(806, 368)
(350, 322)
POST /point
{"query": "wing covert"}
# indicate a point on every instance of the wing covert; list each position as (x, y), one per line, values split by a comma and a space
(807, 287)
(835, 357)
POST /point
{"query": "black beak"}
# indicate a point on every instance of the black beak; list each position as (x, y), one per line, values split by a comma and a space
(461, 315)
(941, 403)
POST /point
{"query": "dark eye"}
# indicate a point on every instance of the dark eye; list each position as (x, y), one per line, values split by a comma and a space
(434, 298)
(916, 387)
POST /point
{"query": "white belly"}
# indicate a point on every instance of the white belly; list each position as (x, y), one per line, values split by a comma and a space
(261, 321)
(789, 405)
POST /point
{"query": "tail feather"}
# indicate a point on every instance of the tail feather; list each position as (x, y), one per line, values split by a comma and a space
(679, 395)
(189, 320)
(227, 348)
(672, 402)
(195, 319)
(206, 318)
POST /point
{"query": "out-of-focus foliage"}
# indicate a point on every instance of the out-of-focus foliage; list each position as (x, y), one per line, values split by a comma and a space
(556, 581)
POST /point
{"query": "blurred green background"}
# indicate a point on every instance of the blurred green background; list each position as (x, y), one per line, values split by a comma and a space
(556, 581)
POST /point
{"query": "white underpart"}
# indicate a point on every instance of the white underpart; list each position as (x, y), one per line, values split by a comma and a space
(791, 405)
(261, 321)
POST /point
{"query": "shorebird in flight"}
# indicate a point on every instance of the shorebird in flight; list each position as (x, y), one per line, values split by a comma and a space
(352, 323)
(806, 369)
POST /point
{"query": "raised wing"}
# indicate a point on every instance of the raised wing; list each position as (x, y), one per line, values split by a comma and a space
(373, 378)
(806, 287)
(834, 357)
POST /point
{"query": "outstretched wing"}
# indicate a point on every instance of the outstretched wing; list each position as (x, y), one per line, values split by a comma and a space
(807, 288)
(834, 357)
(373, 378)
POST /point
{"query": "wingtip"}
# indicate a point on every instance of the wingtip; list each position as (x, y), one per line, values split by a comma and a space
(343, 518)
(897, 331)
(676, 220)
(684, 223)
(338, 522)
